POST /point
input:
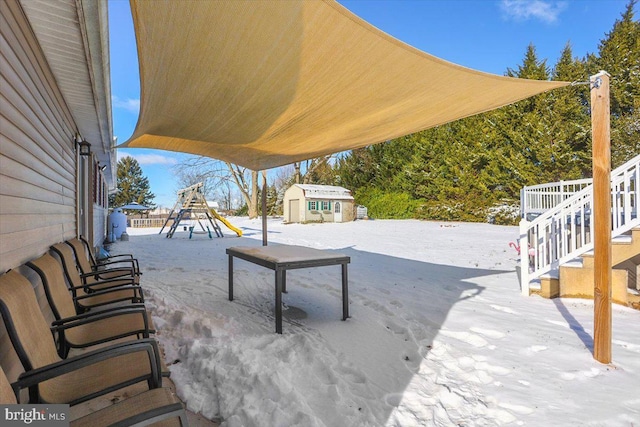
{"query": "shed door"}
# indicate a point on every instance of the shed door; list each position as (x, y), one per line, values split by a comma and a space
(337, 212)
(294, 210)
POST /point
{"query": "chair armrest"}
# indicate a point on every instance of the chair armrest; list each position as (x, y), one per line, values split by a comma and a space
(94, 316)
(85, 275)
(95, 313)
(115, 282)
(150, 346)
(129, 256)
(108, 261)
(126, 271)
(175, 410)
(117, 279)
(115, 272)
(117, 261)
(135, 288)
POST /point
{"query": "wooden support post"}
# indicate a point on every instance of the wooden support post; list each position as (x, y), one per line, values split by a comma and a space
(600, 126)
(264, 208)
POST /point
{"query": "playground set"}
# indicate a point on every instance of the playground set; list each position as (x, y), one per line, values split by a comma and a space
(192, 204)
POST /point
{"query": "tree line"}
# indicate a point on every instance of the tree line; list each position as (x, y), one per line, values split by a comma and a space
(471, 169)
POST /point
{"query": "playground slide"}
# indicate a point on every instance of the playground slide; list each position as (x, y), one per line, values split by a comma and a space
(225, 222)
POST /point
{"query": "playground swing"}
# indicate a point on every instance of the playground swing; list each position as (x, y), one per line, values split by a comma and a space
(192, 203)
(191, 232)
(204, 229)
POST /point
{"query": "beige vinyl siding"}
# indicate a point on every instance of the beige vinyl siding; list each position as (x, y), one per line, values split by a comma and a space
(37, 158)
(294, 193)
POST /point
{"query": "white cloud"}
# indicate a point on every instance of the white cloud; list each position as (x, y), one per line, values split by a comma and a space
(149, 159)
(522, 10)
(131, 105)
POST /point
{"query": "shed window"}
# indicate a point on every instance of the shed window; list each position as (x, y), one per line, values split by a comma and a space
(326, 206)
(313, 205)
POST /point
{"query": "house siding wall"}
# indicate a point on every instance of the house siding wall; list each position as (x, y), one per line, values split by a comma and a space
(37, 173)
(37, 160)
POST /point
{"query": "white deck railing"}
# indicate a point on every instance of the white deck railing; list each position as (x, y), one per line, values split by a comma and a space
(536, 199)
(563, 232)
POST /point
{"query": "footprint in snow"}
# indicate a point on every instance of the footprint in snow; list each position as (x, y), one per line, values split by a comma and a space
(518, 409)
(632, 405)
(558, 323)
(378, 307)
(472, 339)
(627, 345)
(503, 309)
(397, 329)
(397, 304)
(393, 399)
(496, 370)
(591, 373)
(412, 360)
(354, 376)
(532, 350)
(490, 333)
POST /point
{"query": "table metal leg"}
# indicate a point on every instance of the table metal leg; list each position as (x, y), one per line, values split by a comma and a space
(345, 293)
(284, 281)
(279, 276)
(230, 278)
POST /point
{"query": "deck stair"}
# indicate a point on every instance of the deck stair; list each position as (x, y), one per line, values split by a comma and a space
(556, 227)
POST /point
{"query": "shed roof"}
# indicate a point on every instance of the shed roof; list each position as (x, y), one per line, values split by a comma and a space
(264, 84)
(313, 191)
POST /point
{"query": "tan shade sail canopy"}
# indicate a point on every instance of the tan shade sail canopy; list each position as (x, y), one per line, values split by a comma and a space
(266, 83)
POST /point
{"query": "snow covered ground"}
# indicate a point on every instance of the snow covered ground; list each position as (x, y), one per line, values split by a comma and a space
(439, 335)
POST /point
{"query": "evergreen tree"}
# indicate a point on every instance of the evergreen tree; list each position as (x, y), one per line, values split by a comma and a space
(460, 170)
(132, 185)
(569, 119)
(619, 55)
(523, 127)
(531, 68)
(319, 171)
(356, 169)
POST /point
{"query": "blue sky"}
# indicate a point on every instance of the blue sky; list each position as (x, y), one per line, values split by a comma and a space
(487, 35)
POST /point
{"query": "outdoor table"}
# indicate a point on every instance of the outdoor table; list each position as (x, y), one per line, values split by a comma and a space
(281, 258)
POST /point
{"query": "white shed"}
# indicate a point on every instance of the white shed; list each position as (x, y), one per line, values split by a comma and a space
(317, 203)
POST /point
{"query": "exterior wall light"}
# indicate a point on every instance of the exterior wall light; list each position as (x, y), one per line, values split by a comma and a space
(84, 147)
